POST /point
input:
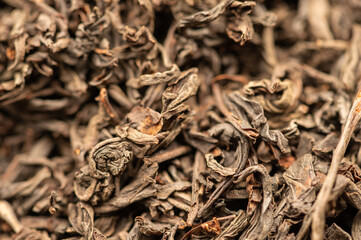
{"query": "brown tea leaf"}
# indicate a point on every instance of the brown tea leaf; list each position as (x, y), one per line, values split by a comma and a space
(81, 217)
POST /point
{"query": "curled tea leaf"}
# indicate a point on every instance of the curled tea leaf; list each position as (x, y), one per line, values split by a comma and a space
(218, 168)
(110, 156)
(149, 228)
(286, 90)
(155, 78)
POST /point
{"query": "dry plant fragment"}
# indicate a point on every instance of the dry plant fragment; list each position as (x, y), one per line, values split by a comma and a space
(211, 228)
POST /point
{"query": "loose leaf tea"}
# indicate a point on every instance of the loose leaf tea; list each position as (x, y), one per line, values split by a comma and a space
(161, 119)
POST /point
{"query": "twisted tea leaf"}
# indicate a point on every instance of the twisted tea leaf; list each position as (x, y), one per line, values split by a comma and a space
(218, 168)
(156, 78)
(256, 116)
(84, 184)
(148, 228)
(286, 89)
(205, 16)
(110, 156)
(81, 217)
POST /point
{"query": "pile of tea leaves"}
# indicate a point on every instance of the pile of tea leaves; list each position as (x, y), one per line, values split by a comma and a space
(192, 119)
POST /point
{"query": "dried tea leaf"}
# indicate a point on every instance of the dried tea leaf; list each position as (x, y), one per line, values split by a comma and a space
(356, 226)
(237, 225)
(218, 168)
(179, 91)
(110, 156)
(143, 186)
(205, 16)
(335, 232)
(166, 190)
(258, 91)
(81, 217)
(148, 228)
(301, 176)
(156, 78)
(256, 114)
(8, 215)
